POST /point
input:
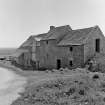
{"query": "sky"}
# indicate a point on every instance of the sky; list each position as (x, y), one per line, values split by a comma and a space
(21, 18)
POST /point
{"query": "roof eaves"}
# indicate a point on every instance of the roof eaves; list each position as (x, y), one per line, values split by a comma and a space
(69, 44)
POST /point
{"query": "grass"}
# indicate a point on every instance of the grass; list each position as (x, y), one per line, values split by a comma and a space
(72, 88)
(66, 87)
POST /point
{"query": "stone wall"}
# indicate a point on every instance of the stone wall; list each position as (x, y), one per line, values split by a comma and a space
(49, 52)
(89, 47)
(24, 59)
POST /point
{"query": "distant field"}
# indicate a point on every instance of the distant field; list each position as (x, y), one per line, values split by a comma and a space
(6, 51)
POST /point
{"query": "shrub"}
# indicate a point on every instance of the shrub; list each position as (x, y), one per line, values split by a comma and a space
(70, 91)
(81, 92)
(96, 76)
(61, 69)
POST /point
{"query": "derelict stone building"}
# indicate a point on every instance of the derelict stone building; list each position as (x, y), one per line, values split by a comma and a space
(61, 47)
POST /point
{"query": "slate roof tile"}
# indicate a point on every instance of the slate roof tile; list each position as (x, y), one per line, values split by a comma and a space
(76, 37)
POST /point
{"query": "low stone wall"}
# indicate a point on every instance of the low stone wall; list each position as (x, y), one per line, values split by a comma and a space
(22, 66)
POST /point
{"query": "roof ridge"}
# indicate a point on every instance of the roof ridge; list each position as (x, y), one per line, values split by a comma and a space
(84, 28)
(38, 34)
(57, 31)
(62, 26)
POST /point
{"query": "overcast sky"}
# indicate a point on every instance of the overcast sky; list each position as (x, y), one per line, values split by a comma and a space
(21, 18)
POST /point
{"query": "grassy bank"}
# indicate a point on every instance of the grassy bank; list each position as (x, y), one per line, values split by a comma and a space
(73, 88)
(67, 87)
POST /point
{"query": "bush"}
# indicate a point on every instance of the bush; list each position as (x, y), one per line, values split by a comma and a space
(70, 91)
(96, 76)
(61, 69)
(82, 92)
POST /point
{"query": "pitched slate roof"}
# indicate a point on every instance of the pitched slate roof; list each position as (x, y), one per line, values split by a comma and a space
(54, 33)
(57, 32)
(28, 42)
(39, 36)
(32, 39)
(76, 37)
(66, 35)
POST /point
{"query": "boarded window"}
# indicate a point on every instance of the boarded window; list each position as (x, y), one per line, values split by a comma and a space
(97, 42)
(71, 63)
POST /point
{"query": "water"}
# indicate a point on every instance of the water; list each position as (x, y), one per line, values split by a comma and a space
(10, 85)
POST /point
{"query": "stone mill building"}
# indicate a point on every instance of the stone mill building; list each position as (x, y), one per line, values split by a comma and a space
(60, 47)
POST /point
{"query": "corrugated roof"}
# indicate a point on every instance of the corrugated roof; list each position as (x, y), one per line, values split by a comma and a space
(76, 36)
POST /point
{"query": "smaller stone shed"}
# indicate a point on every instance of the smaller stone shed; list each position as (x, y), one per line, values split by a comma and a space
(21, 58)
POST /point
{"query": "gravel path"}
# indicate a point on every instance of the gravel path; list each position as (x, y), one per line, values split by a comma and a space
(10, 85)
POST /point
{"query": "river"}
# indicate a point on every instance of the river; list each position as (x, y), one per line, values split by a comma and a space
(10, 85)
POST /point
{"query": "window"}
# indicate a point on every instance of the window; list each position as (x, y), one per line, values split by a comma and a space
(71, 48)
(47, 42)
(97, 45)
(71, 63)
(58, 63)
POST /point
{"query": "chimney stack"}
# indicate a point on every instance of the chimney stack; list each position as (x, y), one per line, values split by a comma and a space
(52, 27)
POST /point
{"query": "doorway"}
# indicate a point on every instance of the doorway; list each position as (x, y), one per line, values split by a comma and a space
(97, 42)
(71, 63)
(58, 63)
